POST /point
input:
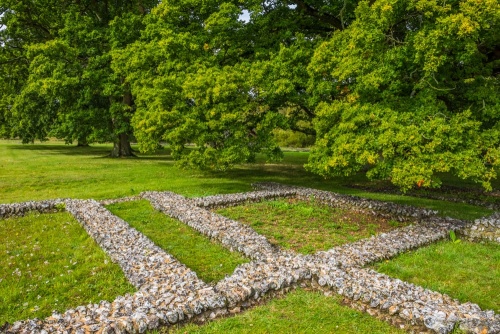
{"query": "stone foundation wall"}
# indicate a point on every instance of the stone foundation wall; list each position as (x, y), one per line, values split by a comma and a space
(170, 293)
(20, 209)
(487, 228)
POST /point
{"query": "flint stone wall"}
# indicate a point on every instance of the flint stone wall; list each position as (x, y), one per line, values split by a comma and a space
(378, 208)
(20, 209)
(487, 228)
(171, 293)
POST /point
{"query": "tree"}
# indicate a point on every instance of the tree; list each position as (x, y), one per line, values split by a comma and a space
(410, 89)
(201, 75)
(400, 89)
(69, 89)
(19, 26)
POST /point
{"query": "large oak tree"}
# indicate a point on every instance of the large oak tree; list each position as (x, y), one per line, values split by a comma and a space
(57, 54)
(400, 89)
(410, 90)
(202, 75)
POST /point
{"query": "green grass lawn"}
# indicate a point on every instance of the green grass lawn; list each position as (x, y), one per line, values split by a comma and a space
(48, 262)
(298, 312)
(307, 227)
(209, 260)
(453, 187)
(53, 169)
(464, 270)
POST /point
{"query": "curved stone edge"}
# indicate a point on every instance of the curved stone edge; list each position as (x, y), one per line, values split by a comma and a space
(20, 209)
(231, 234)
(487, 228)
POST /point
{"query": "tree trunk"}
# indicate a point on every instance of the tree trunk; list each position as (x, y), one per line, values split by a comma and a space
(122, 147)
(82, 143)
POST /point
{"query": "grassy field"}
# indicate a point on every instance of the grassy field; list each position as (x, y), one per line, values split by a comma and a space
(307, 227)
(55, 170)
(209, 260)
(48, 262)
(463, 270)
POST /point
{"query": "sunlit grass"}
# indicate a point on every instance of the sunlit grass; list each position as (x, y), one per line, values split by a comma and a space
(55, 170)
(48, 262)
(208, 259)
(307, 227)
(298, 312)
(464, 270)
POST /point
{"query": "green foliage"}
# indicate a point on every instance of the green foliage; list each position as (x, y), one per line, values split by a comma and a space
(453, 237)
(202, 76)
(68, 89)
(290, 138)
(60, 206)
(401, 90)
(415, 92)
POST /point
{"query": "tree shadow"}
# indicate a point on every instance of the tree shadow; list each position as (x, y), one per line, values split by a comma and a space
(61, 149)
(98, 152)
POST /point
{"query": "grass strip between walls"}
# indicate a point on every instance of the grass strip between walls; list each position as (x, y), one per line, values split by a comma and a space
(209, 260)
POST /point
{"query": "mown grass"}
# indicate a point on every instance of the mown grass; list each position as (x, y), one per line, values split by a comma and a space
(55, 170)
(298, 312)
(209, 260)
(453, 188)
(48, 262)
(307, 227)
(463, 270)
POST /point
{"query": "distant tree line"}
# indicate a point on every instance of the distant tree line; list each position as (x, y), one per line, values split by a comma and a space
(400, 89)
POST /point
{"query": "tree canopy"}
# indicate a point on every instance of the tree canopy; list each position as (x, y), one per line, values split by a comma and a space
(400, 89)
(63, 84)
(415, 92)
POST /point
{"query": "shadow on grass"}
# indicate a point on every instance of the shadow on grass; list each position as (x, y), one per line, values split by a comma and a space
(61, 149)
(98, 152)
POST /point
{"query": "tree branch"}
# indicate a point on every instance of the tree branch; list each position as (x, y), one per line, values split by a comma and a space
(326, 18)
(11, 60)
